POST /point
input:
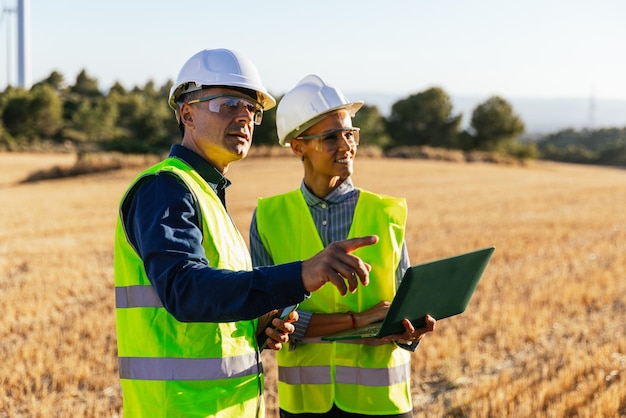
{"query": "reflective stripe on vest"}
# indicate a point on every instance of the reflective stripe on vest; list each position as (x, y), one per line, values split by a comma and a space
(137, 297)
(150, 368)
(320, 375)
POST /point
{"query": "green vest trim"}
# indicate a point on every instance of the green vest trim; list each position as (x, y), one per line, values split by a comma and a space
(356, 377)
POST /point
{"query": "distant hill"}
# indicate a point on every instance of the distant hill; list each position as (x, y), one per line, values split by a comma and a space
(541, 116)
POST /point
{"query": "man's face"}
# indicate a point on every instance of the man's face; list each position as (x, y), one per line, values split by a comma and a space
(220, 134)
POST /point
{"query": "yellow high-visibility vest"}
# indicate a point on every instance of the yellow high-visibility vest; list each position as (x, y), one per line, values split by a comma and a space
(170, 368)
(356, 377)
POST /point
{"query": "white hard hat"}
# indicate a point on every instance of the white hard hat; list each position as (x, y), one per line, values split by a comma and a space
(306, 104)
(219, 67)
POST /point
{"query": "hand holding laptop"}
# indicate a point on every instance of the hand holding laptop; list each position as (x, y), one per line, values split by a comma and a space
(437, 289)
(373, 316)
(411, 333)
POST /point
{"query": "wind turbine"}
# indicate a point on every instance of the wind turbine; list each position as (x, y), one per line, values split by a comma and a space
(24, 78)
(5, 13)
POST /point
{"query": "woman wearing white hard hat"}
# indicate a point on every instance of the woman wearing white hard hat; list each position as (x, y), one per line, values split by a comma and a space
(369, 377)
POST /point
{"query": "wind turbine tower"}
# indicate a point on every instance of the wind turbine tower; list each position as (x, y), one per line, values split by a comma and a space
(24, 77)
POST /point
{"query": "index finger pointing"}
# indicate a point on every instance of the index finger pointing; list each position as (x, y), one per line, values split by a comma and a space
(352, 244)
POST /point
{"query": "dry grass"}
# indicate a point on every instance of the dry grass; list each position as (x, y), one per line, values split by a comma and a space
(91, 163)
(545, 334)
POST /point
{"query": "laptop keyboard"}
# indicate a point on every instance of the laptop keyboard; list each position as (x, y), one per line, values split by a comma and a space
(371, 329)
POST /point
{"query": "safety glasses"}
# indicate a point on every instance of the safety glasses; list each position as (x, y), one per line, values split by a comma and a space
(230, 105)
(331, 140)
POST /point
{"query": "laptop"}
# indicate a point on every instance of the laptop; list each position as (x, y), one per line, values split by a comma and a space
(440, 288)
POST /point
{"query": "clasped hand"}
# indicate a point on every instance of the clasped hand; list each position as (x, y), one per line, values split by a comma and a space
(278, 333)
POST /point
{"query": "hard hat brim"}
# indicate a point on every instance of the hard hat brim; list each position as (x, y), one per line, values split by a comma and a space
(264, 98)
(351, 107)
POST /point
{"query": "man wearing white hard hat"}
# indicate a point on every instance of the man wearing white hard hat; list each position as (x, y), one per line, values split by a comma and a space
(189, 306)
(368, 377)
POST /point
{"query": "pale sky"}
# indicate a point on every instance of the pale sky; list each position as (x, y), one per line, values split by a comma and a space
(530, 48)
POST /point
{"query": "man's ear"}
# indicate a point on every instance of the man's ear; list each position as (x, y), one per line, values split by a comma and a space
(185, 115)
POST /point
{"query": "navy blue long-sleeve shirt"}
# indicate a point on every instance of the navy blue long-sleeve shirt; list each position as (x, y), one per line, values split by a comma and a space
(162, 223)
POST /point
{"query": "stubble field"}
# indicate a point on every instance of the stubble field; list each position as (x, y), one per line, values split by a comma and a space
(544, 335)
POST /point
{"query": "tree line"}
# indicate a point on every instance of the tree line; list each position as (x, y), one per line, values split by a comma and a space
(139, 121)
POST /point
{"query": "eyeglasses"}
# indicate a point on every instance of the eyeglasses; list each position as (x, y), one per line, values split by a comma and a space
(331, 140)
(230, 105)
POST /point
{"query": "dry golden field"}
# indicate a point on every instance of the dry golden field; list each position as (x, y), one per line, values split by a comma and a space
(544, 335)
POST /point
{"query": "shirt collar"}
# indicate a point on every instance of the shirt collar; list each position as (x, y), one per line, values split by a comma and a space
(336, 196)
(206, 170)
